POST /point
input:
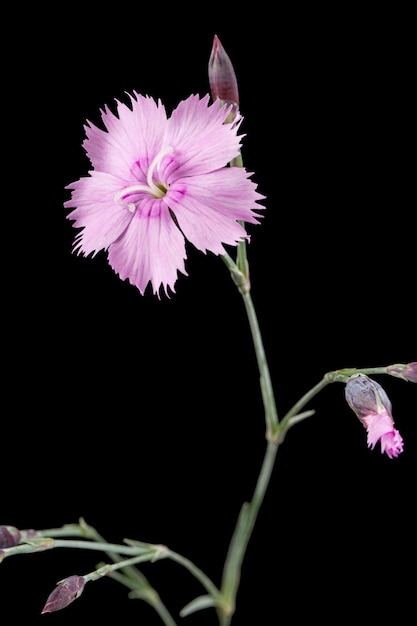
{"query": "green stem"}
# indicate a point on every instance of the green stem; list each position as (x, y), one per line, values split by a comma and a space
(106, 569)
(139, 552)
(241, 537)
(150, 552)
(149, 595)
(154, 601)
(195, 571)
(249, 512)
(159, 552)
(271, 415)
(68, 530)
(105, 547)
(300, 404)
(343, 374)
(129, 576)
(242, 282)
(132, 578)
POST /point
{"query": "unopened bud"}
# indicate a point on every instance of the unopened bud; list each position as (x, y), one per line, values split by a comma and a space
(9, 536)
(222, 77)
(406, 372)
(65, 592)
(372, 406)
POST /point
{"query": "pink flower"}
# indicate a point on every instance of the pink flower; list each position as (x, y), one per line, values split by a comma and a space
(371, 404)
(157, 182)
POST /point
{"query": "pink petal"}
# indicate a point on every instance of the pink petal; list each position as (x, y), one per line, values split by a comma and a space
(101, 218)
(392, 443)
(134, 133)
(151, 250)
(209, 206)
(380, 427)
(201, 141)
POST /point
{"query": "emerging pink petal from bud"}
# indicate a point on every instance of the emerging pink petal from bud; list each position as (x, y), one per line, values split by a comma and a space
(406, 372)
(9, 536)
(372, 406)
(222, 77)
(64, 593)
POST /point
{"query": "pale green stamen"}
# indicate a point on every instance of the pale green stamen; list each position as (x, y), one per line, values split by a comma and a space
(155, 189)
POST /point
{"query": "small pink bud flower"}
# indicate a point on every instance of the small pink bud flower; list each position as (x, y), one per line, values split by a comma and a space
(406, 372)
(222, 77)
(372, 406)
(64, 593)
(9, 536)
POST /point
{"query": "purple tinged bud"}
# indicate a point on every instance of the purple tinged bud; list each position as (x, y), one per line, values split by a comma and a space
(365, 396)
(222, 77)
(64, 593)
(9, 536)
(406, 372)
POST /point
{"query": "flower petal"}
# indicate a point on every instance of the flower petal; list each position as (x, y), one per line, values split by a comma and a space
(133, 134)
(151, 250)
(380, 427)
(202, 142)
(392, 443)
(102, 219)
(209, 206)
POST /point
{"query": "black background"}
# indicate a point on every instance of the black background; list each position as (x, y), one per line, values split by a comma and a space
(145, 416)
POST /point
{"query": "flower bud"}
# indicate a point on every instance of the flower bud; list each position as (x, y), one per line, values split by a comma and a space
(372, 406)
(65, 592)
(222, 77)
(9, 536)
(406, 372)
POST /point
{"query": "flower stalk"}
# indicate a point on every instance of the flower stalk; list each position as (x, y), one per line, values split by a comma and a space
(275, 433)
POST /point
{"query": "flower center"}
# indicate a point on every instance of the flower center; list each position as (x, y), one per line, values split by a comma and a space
(153, 186)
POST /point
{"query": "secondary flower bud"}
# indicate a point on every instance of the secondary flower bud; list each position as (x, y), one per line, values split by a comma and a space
(406, 372)
(222, 77)
(64, 593)
(372, 406)
(9, 536)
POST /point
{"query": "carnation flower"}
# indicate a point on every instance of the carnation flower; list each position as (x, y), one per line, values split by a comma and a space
(158, 181)
(372, 406)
